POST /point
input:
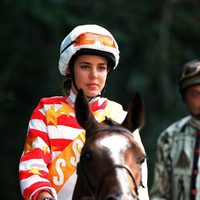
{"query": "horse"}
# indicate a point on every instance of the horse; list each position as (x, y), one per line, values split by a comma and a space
(110, 162)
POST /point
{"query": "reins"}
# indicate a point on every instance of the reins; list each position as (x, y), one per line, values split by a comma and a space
(107, 173)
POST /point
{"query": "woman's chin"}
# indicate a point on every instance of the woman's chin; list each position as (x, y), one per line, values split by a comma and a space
(92, 94)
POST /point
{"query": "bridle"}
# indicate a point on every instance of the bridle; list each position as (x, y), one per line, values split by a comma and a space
(80, 169)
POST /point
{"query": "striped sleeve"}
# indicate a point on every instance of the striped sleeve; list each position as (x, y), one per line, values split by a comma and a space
(33, 171)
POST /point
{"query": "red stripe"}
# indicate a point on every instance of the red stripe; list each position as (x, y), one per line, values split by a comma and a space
(193, 191)
(26, 174)
(38, 115)
(36, 154)
(60, 144)
(33, 187)
(52, 100)
(33, 133)
(195, 171)
(197, 151)
(69, 121)
(95, 105)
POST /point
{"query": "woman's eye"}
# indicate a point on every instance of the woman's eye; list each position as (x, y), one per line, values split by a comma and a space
(84, 66)
(142, 160)
(102, 68)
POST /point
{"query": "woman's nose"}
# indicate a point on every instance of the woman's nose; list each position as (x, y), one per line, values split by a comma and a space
(93, 73)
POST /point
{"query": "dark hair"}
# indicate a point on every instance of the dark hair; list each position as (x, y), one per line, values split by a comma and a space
(110, 57)
(66, 85)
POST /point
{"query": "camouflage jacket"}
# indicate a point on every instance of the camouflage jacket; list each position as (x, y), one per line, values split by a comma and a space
(174, 165)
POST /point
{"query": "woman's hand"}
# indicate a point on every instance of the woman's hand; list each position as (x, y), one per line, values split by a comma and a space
(44, 195)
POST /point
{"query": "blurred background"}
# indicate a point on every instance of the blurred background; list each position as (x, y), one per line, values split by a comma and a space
(155, 38)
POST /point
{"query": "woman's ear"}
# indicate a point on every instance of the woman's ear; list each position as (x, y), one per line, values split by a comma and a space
(109, 68)
(67, 70)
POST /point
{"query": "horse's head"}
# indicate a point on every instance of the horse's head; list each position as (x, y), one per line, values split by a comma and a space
(110, 162)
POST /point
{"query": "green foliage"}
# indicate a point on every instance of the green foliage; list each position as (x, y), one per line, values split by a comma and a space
(155, 39)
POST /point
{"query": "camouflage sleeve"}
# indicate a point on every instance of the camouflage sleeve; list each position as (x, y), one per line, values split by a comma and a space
(161, 188)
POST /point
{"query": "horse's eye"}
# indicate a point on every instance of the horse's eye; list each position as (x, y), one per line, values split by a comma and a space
(87, 155)
(142, 160)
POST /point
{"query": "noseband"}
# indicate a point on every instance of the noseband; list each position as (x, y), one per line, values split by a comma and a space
(80, 170)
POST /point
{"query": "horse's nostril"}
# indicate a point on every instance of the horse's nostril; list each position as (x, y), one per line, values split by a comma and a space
(120, 197)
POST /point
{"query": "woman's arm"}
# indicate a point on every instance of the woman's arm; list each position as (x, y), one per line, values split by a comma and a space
(143, 190)
(33, 170)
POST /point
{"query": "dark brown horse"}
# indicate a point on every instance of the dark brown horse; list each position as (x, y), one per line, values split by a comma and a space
(110, 162)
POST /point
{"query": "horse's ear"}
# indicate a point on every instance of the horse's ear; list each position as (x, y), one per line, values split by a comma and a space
(84, 116)
(135, 115)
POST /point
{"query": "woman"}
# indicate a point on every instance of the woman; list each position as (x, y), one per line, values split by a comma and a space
(54, 139)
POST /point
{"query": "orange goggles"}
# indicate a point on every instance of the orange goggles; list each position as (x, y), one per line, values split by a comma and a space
(91, 38)
(190, 71)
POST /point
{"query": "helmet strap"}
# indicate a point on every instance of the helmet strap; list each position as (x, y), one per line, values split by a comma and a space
(73, 78)
(103, 92)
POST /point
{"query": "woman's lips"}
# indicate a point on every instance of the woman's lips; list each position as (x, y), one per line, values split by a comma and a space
(92, 85)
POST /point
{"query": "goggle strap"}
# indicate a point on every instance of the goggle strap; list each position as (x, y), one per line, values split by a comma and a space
(67, 46)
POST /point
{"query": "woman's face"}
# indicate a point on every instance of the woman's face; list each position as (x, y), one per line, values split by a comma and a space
(192, 100)
(90, 73)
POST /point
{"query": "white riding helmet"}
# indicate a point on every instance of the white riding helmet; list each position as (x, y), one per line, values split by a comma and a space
(93, 39)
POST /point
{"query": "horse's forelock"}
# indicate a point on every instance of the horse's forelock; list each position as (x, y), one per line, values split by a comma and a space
(110, 122)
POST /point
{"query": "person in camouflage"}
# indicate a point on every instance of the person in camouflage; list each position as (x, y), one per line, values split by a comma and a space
(177, 169)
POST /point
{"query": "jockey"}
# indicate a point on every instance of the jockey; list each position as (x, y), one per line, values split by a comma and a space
(177, 168)
(54, 139)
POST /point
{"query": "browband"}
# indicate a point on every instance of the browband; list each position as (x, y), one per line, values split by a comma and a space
(112, 128)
